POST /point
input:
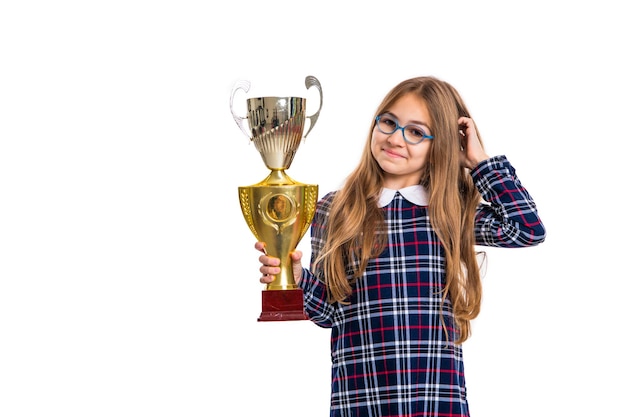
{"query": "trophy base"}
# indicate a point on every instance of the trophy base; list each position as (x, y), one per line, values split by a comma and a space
(282, 305)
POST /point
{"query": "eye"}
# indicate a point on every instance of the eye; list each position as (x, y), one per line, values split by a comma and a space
(388, 121)
(415, 132)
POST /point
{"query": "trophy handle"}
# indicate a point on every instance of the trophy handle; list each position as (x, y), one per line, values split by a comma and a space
(311, 81)
(245, 86)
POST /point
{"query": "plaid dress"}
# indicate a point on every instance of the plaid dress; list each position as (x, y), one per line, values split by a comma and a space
(390, 354)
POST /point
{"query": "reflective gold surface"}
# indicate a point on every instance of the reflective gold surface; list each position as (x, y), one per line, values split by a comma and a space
(279, 215)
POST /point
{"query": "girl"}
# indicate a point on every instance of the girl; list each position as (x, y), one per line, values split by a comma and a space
(394, 272)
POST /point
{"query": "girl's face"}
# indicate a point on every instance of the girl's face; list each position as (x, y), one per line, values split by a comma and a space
(403, 163)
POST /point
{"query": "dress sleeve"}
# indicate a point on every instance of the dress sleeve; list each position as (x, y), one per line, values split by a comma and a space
(508, 218)
(312, 283)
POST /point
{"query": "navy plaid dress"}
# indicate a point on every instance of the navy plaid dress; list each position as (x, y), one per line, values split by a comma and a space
(390, 353)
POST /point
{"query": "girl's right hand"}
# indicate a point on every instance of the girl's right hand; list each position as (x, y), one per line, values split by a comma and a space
(271, 265)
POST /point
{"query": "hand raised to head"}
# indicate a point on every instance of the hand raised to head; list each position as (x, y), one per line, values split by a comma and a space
(472, 152)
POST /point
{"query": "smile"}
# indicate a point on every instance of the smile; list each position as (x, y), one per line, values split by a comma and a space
(392, 154)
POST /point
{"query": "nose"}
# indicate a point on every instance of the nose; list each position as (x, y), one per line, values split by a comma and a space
(396, 138)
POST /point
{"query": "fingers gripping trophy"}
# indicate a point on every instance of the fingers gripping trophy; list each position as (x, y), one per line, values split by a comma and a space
(278, 210)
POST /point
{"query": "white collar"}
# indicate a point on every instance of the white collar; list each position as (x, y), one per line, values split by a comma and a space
(416, 194)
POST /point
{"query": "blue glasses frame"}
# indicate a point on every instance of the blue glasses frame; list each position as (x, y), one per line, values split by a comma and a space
(425, 136)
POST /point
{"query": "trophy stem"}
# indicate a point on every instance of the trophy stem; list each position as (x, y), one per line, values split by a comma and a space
(285, 279)
(278, 177)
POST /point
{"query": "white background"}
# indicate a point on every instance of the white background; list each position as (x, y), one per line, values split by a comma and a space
(128, 278)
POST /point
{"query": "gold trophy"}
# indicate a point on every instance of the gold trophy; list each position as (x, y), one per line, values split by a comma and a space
(278, 210)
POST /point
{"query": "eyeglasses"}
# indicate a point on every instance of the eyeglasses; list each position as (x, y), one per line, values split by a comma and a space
(412, 134)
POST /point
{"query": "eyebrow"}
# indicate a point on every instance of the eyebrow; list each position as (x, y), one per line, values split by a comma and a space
(411, 122)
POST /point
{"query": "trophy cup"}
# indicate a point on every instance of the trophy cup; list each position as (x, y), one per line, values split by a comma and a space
(278, 210)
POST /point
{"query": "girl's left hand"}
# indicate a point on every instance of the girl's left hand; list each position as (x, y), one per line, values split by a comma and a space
(472, 152)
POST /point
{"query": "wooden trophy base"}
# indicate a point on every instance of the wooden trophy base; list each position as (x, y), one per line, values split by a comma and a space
(282, 305)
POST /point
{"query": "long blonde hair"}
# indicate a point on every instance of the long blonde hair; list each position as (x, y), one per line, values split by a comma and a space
(355, 227)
